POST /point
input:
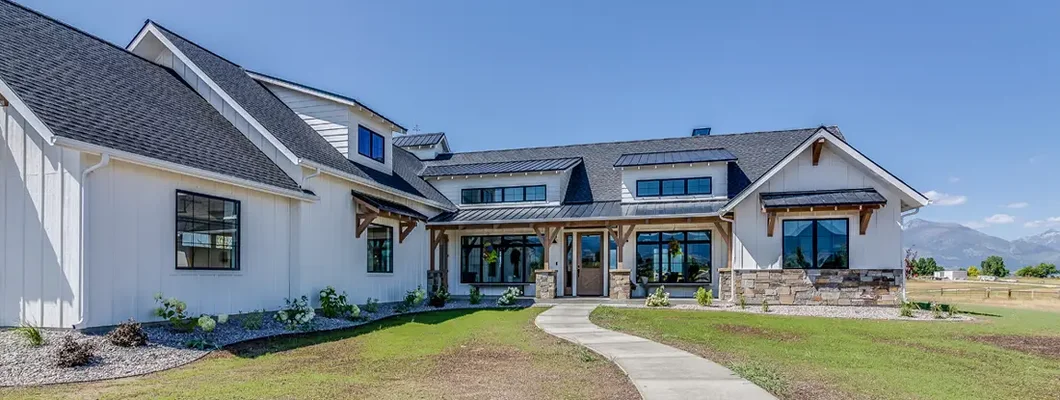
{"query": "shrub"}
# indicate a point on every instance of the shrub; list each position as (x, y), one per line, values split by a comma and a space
(414, 298)
(973, 272)
(906, 310)
(402, 308)
(475, 296)
(206, 326)
(334, 305)
(253, 320)
(743, 302)
(952, 311)
(658, 299)
(31, 333)
(704, 297)
(509, 296)
(127, 334)
(372, 305)
(765, 306)
(72, 353)
(174, 311)
(1042, 270)
(296, 314)
(439, 297)
(936, 311)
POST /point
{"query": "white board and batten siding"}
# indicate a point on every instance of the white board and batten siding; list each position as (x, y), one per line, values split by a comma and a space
(39, 226)
(880, 247)
(555, 186)
(718, 172)
(426, 152)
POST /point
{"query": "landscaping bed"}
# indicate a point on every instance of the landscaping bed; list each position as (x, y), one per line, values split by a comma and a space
(22, 364)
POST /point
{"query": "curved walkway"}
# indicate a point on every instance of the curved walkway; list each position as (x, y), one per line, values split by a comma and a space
(657, 370)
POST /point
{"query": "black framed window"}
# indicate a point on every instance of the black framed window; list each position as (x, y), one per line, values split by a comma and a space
(500, 259)
(371, 144)
(816, 243)
(674, 257)
(509, 194)
(207, 232)
(380, 249)
(673, 187)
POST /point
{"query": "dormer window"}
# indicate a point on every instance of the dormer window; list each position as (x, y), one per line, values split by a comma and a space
(512, 194)
(673, 187)
(371, 144)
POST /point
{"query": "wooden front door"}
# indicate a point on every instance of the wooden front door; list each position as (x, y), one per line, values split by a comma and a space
(590, 264)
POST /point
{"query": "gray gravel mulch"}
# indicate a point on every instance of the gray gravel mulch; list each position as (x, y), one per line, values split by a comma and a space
(23, 365)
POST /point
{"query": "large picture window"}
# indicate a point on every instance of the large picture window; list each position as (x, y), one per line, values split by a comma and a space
(816, 244)
(500, 259)
(380, 249)
(674, 257)
(371, 144)
(503, 195)
(673, 187)
(207, 232)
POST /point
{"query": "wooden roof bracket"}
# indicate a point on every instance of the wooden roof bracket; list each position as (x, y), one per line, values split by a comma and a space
(3, 101)
(817, 147)
(771, 222)
(406, 226)
(864, 216)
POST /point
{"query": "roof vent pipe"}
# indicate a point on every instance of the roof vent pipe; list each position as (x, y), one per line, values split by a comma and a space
(701, 131)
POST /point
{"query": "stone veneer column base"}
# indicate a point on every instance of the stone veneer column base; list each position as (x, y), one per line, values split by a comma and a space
(545, 282)
(840, 287)
(434, 280)
(619, 284)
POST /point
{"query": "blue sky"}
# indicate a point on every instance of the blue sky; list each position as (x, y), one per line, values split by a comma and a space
(960, 99)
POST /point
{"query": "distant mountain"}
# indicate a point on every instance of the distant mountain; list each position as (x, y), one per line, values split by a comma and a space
(958, 246)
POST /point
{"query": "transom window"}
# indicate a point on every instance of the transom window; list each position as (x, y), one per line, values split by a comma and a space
(502, 195)
(371, 144)
(673, 187)
(499, 259)
(674, 257)
(816, 244)
(207, 232)
(380, 249)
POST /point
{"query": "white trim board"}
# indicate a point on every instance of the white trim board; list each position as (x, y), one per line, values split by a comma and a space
(31, 118)
(327, 96)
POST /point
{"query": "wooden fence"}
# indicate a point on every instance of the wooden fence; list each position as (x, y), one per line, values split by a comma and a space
(990, 293)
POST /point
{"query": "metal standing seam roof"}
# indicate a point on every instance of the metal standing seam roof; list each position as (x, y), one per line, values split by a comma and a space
(845, 197)
(423, 139)
(387, 205)
(502, 167)
(674, 157)
(597, 210)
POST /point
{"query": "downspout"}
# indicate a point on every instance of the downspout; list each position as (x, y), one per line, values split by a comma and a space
(732, 258)
(311, 176)
(902, 223)
(103, 162)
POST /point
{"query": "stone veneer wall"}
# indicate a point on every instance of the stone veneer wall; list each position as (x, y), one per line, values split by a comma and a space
(619, 284)
(545, 281)
(843, 287)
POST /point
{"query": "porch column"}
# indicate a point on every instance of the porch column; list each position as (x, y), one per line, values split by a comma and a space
(435, 275)
(545, 278)
(618, 282)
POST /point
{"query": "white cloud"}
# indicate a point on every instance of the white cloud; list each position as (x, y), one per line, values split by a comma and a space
(954, 179)
(944, 199)
(999, 219)
(1021, 204)
(976, 224)
(1051, 221)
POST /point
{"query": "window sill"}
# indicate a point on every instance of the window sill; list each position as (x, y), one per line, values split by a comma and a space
(380, 273)
(206, 272)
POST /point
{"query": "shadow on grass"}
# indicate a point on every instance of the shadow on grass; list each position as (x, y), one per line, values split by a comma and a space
(259, 347)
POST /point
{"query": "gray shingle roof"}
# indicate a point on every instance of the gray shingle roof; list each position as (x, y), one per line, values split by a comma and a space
(387, 205)
(501, 167)
(674, 157)
(87, 89)
(845, 197)
(597, 210)
(423, 139)
(596, 179)
(294, 133)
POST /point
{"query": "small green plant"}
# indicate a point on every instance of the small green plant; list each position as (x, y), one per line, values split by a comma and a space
(658, 299)
(509, 296)
(402, 308)
(31, 333)
(206, 326)
(704, 297)
(334, 305)
(174, 311)
(439, 298)
(762, 375)
(743, 302)
(296, 314)
(414, 298)
(936, 311)
(475, 295)
(371, 306)
(906, 309)
(127, 334)
(765, 306)
(586, 355)
(72, 353)
(253, 320)
(952, 311)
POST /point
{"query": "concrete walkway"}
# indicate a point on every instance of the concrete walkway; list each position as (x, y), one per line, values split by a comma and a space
(657, 370)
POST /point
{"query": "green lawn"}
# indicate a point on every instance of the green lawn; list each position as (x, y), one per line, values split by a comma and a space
(1013, 355)
(450, 354)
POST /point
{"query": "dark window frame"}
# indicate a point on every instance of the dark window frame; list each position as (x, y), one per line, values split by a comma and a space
(237, 247)
(478, 193)
(663, 247)
(389, 238)
(813, 253)
(659, 182)
(372, 136)
(466, 246)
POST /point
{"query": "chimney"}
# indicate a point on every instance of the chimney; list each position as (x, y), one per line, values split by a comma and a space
(701, 131)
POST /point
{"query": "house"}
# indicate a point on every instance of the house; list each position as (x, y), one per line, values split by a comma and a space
(951, 275)
(164, 167)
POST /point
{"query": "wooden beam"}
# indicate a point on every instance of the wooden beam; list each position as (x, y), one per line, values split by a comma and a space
(406, 228)
(722, 232)
(363, 220)
(865, 217)
(3, 101)
(771, 223)
(817, 147)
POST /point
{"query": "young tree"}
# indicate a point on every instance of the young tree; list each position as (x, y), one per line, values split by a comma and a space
(973, 272)
(994, 266)
(927, 267)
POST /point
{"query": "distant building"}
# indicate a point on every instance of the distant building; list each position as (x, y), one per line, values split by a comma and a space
(952, 275)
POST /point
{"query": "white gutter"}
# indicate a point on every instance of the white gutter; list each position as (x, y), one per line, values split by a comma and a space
(103, 162)
(732, 258)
